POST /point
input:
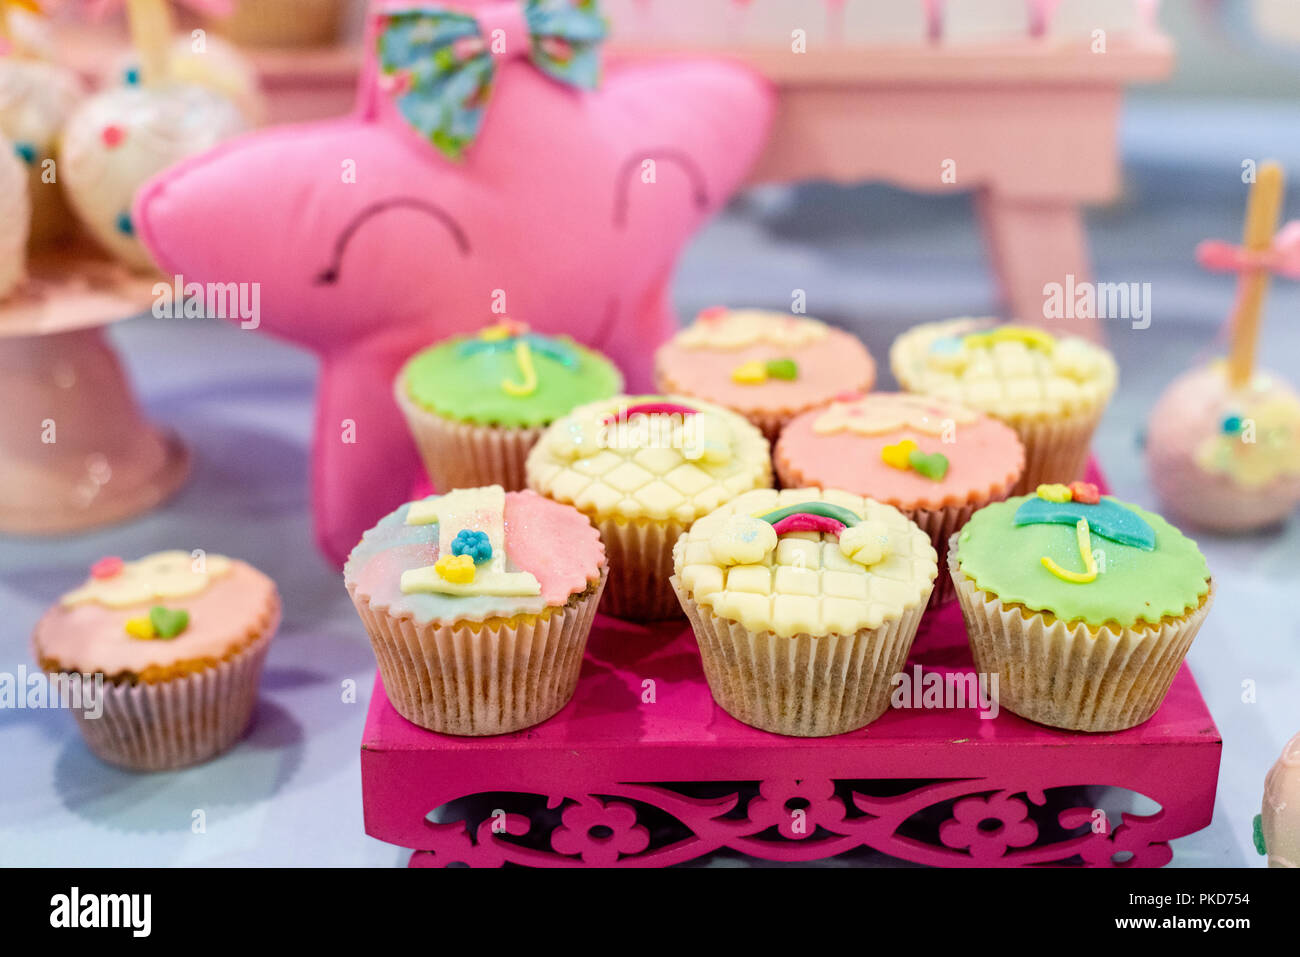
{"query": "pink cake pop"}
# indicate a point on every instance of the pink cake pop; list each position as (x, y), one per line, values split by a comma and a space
(1223, 441)
(1277, 829)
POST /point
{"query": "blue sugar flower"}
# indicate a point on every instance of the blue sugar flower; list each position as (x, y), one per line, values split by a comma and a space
(473, 543)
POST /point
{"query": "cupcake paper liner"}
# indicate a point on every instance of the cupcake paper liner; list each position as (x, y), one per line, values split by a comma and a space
(1055, 450)
(1073, 676)
(463, 455)
(803, 686)
(941, 525)
(181, 721)
(640, 553)
(471, 678)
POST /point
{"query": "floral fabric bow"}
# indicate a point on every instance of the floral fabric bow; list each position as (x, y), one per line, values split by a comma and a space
(439, 64)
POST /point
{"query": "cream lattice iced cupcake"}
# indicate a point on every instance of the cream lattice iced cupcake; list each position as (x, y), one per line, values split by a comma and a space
(1051, 390)
(643, 468)
(179, 639)
(768, 366)
(805, 603)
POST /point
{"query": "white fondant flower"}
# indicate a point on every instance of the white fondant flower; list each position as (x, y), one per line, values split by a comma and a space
(173, 574)
(865, 543)
(742, 540)
(704, 437)
(577, 437)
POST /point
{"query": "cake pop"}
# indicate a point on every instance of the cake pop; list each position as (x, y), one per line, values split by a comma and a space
(1277, 829)
(15, 218)
(1223, 441)
(204, 60)
(36, 98)
(123, 136)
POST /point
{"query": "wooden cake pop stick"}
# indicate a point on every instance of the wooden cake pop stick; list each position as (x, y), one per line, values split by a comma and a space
(151, 33)
(1262, 211)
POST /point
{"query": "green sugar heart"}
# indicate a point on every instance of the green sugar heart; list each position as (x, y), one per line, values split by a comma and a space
(933, 466)
(168, 622)
(782, 369)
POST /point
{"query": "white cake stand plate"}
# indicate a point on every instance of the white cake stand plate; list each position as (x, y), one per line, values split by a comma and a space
(75, 451)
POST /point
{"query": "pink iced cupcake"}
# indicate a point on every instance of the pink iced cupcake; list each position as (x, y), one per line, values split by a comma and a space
(767, 366)
(178, 640)
(936, 461)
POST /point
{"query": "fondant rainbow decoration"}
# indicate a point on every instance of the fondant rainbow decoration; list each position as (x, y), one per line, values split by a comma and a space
(810, 517)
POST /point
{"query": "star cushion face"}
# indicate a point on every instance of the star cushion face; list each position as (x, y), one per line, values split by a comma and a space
(1012, 372)
(568, 209)
(866, 565)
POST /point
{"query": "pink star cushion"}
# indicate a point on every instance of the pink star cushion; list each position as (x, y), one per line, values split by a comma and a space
(568, 212)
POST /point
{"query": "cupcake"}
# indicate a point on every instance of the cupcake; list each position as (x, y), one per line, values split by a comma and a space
(768, 366)
(178, 640)
(933, 460)
(121, 137)
(1051, 390)
(476, 404)
(15, 218)
(804, 603)
(1083, 606)
(36, 99)
(1226, 457)
(643, 468)
(478, 604)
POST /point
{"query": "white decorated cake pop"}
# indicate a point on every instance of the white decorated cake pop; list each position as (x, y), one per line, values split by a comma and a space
(36, 98)
(1277, 829)
(123, 136)
(1223, 441)
(15, 218)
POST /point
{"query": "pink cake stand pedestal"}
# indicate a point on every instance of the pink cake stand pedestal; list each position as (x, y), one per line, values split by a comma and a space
(75, 449)
(642, 768)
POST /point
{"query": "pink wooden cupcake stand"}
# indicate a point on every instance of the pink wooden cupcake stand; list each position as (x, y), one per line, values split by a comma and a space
(642, 769)
(76, 450)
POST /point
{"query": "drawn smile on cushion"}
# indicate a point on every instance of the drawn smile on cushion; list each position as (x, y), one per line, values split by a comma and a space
(330, 274)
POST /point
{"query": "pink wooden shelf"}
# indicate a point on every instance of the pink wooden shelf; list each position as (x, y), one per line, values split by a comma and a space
(914, 784)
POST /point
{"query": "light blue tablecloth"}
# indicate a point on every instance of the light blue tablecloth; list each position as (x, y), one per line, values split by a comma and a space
(870, 258)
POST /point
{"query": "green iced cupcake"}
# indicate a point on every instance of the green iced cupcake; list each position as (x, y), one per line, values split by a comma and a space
(476, 404)
(1083, 606)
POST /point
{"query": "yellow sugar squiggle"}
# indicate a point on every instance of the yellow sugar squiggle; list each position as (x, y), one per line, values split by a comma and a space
(1089, 573)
